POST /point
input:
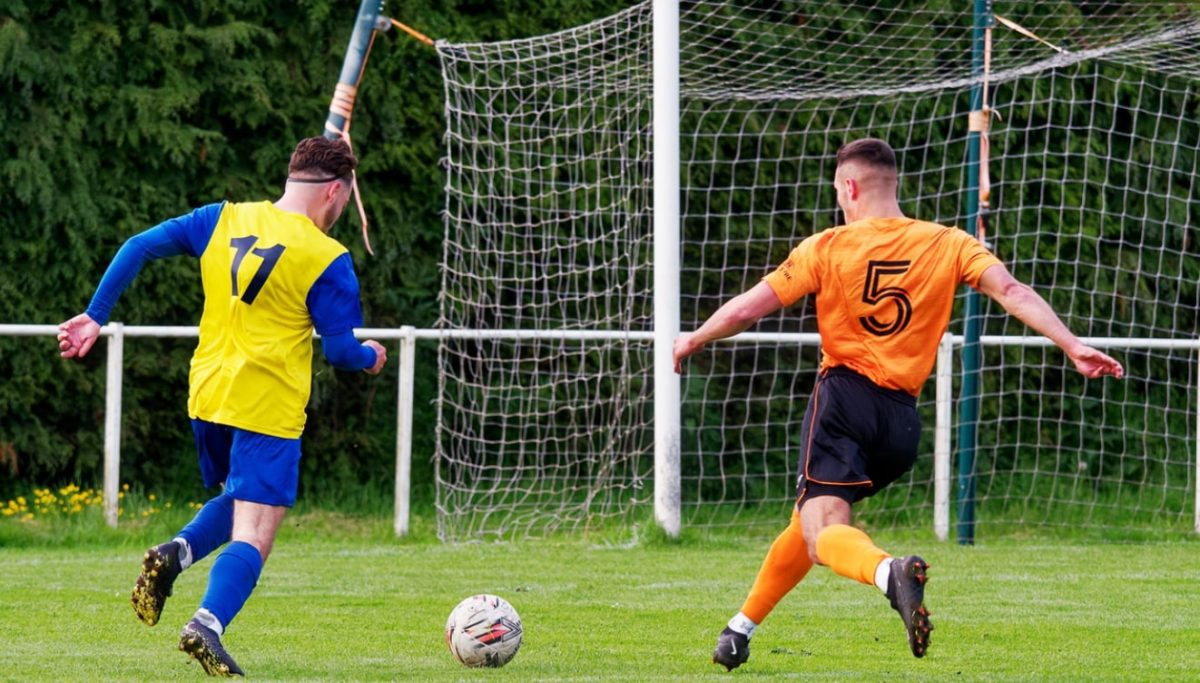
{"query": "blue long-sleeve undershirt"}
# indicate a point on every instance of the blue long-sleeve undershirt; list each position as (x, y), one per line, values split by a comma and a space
(332, 301)
(344, 352)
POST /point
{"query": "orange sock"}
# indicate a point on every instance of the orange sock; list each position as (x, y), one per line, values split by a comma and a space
(849, 552)
(785, 565)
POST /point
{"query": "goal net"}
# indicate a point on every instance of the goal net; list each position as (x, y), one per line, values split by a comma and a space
(546, 363)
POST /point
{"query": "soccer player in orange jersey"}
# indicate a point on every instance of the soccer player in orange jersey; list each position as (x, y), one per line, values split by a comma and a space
(884, 284)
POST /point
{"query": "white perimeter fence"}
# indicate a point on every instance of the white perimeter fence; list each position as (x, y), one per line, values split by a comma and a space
(408, 336)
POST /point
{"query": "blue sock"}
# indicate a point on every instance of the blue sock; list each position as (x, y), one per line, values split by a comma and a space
(231, 581)
(210, 528)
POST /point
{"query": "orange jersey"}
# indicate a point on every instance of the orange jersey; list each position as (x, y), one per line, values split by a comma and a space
(885, 288)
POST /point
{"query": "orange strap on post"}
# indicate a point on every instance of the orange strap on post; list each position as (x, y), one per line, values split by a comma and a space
(1027, 33)
(980, 122)
(362, 212)
(343, 105)
(413, 32)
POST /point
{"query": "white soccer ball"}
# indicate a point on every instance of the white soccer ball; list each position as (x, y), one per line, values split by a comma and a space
(484, 630)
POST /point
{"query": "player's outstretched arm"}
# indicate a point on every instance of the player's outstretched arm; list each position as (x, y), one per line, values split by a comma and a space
(188, 234)
(77, 335)
(1030, 308)
(737, 315)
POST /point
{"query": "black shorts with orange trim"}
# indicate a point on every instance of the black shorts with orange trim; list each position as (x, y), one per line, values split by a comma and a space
(857, 437)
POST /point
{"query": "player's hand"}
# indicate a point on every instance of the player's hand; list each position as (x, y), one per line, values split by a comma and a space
(1092, 363)
(684, 347)
(380, 357)
(77, 335)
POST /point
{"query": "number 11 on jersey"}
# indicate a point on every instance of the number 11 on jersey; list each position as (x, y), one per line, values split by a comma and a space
(270, 257)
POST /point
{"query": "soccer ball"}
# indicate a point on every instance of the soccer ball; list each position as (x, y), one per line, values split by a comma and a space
(484, 630)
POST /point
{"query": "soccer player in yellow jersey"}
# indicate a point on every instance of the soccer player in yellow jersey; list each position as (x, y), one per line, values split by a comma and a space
(271, 273)
(884, 286)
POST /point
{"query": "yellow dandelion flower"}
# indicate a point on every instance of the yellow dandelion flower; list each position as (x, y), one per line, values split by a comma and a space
(28, 516)
(20, 500)
(124, 487)
(7, 512)
(151, 497)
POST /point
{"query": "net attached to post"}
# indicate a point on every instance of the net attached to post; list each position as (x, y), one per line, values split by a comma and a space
(545, 409)
(547, 237)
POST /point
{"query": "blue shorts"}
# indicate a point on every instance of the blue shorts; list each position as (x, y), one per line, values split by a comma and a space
(254, 467)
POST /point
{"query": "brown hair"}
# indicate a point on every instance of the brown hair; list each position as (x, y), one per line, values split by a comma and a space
(323, 157)
(869, 151)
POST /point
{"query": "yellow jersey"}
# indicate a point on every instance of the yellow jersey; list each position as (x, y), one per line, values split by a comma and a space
(252, 368)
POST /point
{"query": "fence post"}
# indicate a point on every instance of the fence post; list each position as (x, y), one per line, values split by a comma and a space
(112, 421)
(404, 408)
(941, 438)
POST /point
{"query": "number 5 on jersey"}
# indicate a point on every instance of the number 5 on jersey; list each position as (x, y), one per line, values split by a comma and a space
(873, 294)
(270, 257)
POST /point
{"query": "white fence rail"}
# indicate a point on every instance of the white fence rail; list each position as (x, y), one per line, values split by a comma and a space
(408, 336)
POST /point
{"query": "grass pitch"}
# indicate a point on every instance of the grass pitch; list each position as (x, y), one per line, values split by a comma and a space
(344, 601)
